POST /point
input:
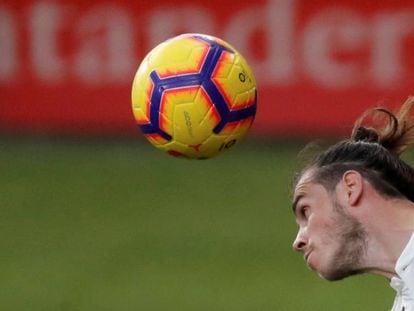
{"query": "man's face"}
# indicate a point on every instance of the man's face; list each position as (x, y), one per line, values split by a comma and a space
(332, 242)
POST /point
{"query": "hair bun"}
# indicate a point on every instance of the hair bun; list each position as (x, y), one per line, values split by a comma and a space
(393, 131)
(366, 134)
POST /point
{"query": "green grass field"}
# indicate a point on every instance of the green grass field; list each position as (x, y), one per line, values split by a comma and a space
(117, 225)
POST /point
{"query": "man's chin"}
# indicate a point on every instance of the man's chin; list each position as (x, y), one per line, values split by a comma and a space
(330, 272)
(337, 274)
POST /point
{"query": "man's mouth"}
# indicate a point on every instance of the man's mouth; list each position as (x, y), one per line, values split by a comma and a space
(306, 256)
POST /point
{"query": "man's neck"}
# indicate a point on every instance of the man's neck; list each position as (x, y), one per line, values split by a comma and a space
(388, 234)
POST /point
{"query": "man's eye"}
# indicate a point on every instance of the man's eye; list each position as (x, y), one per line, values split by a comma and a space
(304, 211)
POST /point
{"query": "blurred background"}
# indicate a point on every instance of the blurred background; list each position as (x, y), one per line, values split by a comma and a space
(94, 218)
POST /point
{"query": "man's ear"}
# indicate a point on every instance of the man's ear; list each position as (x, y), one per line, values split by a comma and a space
(353, 186)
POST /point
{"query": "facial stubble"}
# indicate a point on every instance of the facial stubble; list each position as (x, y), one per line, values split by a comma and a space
(352, 245)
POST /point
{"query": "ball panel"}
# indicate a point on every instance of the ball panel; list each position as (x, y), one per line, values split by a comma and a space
(156, 139)
(209, 148)
(141, 102)
(142, 88)
(170, 100)
(178, 56)
(210, 38)
(212, 117)
(177, 149)
(214, 144)
(239, 127)
(235, 81)
(194, 121)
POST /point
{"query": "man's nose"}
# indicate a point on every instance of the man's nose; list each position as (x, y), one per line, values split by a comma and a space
(300, 242)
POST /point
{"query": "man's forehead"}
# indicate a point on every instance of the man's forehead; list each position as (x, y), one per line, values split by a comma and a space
(303, 184)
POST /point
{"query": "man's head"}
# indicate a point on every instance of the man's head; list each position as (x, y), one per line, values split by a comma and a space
(332, 239)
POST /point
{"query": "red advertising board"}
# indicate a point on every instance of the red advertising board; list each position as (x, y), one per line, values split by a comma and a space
(67, 66)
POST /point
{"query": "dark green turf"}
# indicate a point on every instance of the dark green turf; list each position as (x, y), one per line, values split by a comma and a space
(105, 225)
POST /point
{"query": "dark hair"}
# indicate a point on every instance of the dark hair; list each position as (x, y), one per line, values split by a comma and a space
(378, 139)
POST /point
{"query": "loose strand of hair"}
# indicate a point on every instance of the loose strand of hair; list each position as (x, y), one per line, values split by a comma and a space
(406, 126)
(394, 131)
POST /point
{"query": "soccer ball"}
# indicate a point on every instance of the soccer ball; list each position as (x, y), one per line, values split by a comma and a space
(194, 96)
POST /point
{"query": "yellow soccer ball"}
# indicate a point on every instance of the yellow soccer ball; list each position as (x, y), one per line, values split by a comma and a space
(194, 96)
